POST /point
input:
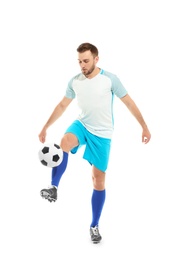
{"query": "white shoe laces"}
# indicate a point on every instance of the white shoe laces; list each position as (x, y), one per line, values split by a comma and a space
(95, 231)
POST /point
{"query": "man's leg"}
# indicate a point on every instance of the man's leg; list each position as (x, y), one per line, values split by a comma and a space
(68, 142)
(97, 202)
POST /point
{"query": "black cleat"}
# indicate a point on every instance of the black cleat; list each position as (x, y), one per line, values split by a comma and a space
(95, 235)
(49, 194)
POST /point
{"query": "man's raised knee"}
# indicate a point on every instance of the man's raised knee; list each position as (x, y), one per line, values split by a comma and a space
(68, 142)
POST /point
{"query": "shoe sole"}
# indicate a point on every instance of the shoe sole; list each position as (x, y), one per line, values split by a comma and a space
(96, 242)
(46, 196)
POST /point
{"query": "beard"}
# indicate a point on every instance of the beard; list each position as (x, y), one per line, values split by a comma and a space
(88, 72)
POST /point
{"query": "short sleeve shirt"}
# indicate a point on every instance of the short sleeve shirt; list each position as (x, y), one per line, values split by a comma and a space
(95, 99)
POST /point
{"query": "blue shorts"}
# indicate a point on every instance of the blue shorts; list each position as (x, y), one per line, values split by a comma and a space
(97, 149)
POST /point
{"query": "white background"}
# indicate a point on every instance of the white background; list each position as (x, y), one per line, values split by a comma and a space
(38, 41)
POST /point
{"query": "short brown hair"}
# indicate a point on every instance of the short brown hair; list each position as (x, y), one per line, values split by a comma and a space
(88, 47)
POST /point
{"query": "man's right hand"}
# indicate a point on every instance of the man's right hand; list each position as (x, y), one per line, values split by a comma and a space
(42, 135)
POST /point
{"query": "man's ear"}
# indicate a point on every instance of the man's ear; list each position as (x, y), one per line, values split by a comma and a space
(96, 59)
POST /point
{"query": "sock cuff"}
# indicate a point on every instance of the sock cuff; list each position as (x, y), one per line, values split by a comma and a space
(99, 191)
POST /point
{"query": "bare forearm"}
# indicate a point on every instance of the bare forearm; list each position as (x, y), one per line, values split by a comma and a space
(137, 114)
(134, 110)
(146, 135)
(58, 111)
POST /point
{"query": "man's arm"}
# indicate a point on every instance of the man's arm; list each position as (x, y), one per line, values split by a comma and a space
(57, 112)
(130, 104)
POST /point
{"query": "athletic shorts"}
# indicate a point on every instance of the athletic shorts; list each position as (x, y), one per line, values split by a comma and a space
(97, 149)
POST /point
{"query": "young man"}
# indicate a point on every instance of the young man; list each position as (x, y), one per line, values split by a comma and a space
(94, 89)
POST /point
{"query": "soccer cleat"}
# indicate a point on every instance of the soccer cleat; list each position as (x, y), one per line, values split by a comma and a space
(95, 235)
(50, 194)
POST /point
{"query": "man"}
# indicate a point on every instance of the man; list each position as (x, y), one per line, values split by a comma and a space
(94, 89)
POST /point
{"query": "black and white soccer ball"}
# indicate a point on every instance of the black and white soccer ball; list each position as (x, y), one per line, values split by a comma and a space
(50, 155)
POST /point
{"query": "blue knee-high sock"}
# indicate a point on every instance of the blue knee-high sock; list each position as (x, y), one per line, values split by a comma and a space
(97, 202)
(58, 171)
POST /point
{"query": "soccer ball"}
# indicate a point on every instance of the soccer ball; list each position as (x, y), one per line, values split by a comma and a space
(50, 155)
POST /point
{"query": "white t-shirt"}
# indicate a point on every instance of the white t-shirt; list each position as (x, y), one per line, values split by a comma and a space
(95, 99)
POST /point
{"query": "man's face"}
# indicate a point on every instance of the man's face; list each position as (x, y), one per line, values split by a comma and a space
(87, 62)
